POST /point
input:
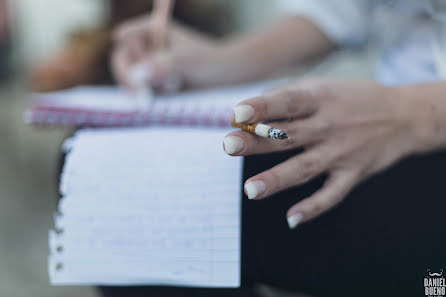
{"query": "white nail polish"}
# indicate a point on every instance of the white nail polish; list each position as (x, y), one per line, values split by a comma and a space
(243, 113)
(232, 144)
(294, 220)
(138, 75)
(255, 188)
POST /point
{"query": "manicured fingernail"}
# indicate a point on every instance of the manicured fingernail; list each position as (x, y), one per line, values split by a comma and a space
(137, 74)
(294, 220)
(232, 144)
(255, 188)
(140, 74)
(242, 113)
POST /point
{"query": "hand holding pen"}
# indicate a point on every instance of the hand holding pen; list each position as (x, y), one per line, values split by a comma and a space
(137, 43)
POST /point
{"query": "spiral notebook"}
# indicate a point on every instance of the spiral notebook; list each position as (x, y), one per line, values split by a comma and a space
(148, 206)
(96, 106)
(156, 205)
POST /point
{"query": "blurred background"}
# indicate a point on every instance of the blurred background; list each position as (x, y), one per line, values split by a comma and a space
(53, 44)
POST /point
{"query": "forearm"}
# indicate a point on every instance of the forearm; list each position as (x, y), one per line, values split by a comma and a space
(427, 103)
(291, 40)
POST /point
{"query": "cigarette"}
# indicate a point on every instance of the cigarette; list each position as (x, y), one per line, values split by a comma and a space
(261, 130)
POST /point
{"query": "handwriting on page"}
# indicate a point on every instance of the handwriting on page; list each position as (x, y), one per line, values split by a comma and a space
(148, 206)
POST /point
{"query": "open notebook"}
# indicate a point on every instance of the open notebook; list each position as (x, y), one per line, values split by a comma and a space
(112, 106)
(149, 205)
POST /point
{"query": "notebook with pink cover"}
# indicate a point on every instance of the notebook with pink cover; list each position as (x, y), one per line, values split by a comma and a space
(103, 106)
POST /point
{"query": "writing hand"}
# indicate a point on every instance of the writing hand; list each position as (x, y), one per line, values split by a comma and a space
(139, 41)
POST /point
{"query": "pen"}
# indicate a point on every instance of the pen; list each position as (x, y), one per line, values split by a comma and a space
(261, 130)
(139, 74)
(162, 9)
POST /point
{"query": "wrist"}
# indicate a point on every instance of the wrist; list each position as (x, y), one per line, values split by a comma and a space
(418, 110)
(200, 67)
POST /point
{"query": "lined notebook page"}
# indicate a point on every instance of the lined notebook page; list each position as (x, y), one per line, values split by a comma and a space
(148, 206)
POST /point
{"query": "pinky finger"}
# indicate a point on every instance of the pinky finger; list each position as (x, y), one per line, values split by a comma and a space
(332, 192)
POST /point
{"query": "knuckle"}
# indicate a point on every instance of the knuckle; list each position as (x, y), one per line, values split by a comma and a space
(308, 103)
(262, 106)
(295, 140)
(290, 128)
(298, 102)
(327, 125)
(322, 91)
(293, 128)
(314, 207)
(275, 179)
(338, 198)
(291, 104)
(310, 168)
(301, 133)
(288, 94)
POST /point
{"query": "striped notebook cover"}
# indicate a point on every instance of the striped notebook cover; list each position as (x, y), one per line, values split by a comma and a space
(99, 106)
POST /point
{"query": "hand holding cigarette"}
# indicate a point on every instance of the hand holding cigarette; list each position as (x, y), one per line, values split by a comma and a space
(349, 130)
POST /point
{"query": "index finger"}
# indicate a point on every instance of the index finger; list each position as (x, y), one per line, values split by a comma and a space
(120, 65)
(277, 105)
(130, 28)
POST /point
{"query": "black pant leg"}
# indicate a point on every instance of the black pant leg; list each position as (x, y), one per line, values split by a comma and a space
(155, 291)
(378, 242)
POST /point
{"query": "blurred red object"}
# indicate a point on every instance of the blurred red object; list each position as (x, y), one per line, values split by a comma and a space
(4, 19)
(5, 66)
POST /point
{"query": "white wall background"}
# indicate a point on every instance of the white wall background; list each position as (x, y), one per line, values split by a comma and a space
(252, 13)
(40, 27)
